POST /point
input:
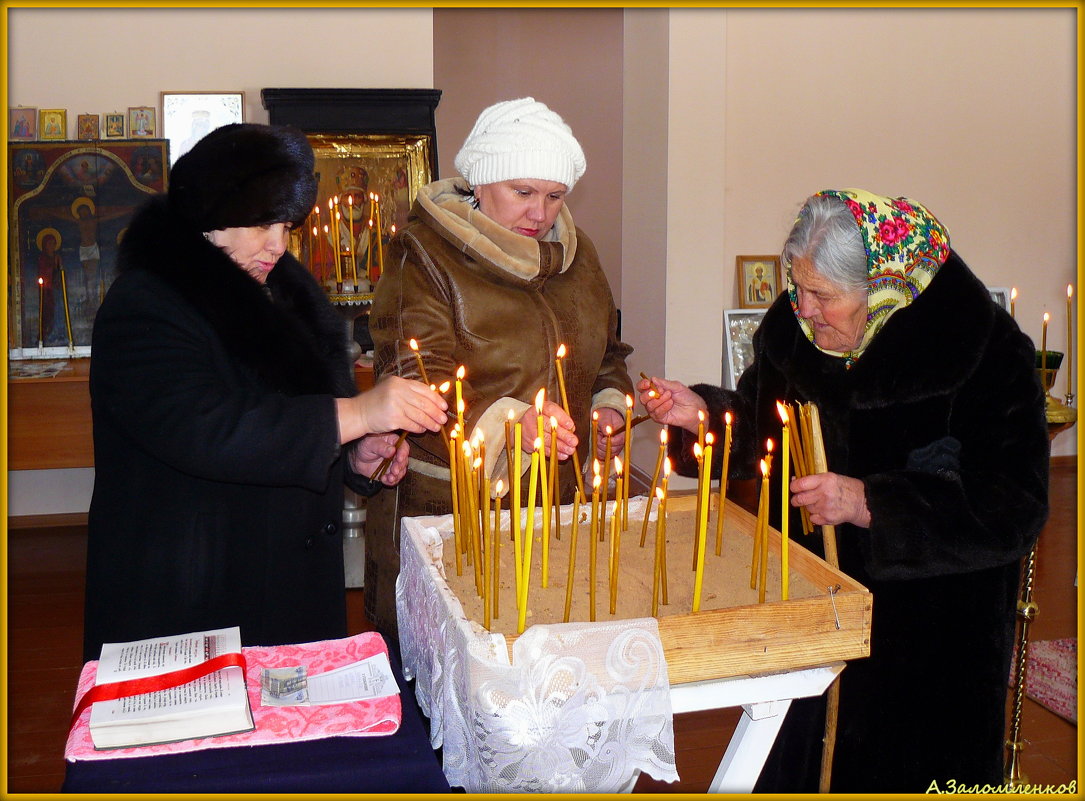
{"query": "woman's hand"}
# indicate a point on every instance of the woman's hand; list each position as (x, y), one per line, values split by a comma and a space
(567, 439)
(671, 402)
(831, 499)
(609, 417)
(394, 403)
(367, 454)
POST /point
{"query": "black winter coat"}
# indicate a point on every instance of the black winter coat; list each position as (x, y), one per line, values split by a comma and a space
(218, 490)
(942, 419)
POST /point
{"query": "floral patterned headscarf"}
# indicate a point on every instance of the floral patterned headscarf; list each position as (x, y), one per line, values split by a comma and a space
(905, 246)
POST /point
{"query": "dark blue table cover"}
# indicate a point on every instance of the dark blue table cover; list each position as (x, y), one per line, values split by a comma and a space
(402, 762)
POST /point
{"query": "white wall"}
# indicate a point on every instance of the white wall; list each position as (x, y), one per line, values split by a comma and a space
(98, 60)
(970, 111)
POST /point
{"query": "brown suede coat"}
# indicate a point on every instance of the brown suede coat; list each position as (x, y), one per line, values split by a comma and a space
(475, 294)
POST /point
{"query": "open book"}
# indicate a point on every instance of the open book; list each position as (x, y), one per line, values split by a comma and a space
(209, 706)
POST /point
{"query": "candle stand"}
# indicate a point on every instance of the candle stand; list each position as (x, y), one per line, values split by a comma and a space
(1060, 416)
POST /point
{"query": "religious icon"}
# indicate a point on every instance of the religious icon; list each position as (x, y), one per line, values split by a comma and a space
(758, 280)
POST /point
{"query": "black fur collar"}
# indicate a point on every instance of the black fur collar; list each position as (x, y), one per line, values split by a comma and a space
(294, 340)
(921, 351)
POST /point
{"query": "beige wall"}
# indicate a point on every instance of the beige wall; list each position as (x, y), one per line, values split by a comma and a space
(704, 128)
(569, 59)
(101, 60)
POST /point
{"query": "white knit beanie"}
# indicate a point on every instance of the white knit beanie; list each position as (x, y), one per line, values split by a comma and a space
(520, 139)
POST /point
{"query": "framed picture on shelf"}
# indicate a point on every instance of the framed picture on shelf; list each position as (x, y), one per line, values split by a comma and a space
(141, 122)
(86, 127)
(738, 328)
(1000, 295)
(759, 281)
(53, 124)
(69, 205)
(187, 116)
(114, 125)
(22, 124)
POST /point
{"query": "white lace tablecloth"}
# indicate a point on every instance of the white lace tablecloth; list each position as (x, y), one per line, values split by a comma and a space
(581, 708)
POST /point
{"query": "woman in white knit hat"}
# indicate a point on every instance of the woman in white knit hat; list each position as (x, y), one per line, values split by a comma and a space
(491, 273)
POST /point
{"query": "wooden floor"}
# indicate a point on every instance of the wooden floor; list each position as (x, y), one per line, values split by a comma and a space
(45, 579)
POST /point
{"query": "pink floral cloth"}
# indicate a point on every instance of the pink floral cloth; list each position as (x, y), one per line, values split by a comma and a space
(273, 724)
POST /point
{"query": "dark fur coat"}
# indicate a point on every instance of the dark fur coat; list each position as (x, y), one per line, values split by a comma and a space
(218, 490)
(942, 418)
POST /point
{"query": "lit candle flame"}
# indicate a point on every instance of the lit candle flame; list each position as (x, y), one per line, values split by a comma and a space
(595, 466)
(610, 431)
(414, 344)
(511, 416)
(700, 416)
(629, 401)
(350, 199)
(445, 385)
(561, 351)
(697, 450)
(764, 469)
(1069, 291)
(461, 407)
(499, 486)
(538, 443)
(553, 422)
(659, 493)
(709, 438)
(41, 281)
(461, 371)
(768, 445)
(477, 463)
(595, 482)
(662, 436)
(782, 411)
(727, 418)
(1013, 293)
(539, 397)
(667, 466)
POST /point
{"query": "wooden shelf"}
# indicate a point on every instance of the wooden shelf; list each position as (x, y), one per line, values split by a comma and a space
(49, 422)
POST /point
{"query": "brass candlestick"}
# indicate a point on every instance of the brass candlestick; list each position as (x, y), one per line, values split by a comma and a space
(1059, 412)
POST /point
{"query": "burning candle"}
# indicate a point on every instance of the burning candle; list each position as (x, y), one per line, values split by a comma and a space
(559, 357)
(785, 495)
(1043, 350)
(606, 484)
(1069, 337)
(453, 470)
(615, 549)
(529, 537)
(324, 252)
(658, 492)
(1013, 302)
(572, 556)
(544, 488)
(499, 488)
(702, 522)
(514, 508)
(723, 482)
(369, 252)
(380, 235)
(413, 344)
(762, 516)
(662, 513)
(461, 372)
(334, 241)
(353, 256)
(628, 452)
(488, 547)
(764, 534)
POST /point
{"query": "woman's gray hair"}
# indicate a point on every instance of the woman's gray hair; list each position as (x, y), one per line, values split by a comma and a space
(827, 235)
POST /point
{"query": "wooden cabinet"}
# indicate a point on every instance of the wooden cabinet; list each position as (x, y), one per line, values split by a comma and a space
(49, 423)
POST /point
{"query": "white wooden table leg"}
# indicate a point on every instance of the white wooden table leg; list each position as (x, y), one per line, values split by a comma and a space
(749, 747)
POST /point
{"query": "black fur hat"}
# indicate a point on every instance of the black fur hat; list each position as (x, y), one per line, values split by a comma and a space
(242, 175)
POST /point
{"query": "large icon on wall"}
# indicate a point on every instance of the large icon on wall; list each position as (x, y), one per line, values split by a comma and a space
(69, 205)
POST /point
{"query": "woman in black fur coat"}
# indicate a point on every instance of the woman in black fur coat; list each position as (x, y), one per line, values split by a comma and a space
(934, 425)
(226, 418)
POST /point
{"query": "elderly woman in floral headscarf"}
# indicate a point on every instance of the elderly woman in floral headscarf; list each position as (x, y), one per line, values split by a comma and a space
(934, 426)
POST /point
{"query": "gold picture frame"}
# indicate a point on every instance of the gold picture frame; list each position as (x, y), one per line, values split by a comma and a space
(760, 280)
(351, 167)
(52, 124)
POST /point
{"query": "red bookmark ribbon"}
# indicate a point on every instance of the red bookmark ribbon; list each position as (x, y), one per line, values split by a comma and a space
(149, 684)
